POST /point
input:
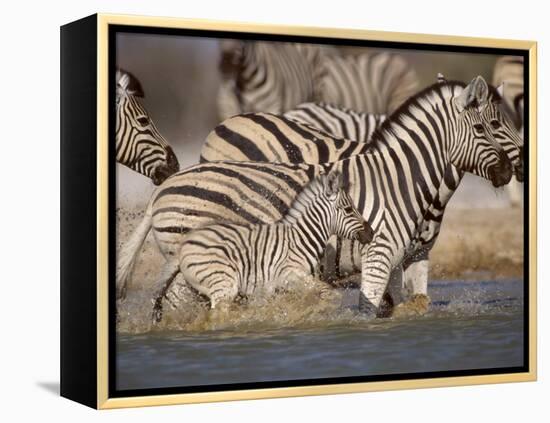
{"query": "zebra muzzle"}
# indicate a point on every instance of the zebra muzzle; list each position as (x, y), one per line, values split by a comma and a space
(166, 169)
(501, 173)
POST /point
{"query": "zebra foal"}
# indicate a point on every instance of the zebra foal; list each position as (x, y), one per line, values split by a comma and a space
(224, 260)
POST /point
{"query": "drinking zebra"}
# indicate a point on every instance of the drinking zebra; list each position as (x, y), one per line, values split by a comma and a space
(278, 142)
(274, 77)
(139, 144)
(224, 260)
(509, 71)
(410, 157)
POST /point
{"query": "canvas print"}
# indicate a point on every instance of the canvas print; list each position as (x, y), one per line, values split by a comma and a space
(293, 211)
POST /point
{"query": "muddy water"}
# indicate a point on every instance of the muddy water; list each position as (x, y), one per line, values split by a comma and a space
(471, 325)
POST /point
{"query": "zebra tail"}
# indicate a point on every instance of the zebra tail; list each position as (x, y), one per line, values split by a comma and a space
(127, 256)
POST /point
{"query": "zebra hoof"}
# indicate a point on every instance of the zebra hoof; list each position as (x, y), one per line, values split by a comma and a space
(417, 305)
(366, 306)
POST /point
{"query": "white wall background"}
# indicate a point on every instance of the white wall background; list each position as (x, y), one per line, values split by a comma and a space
(30, 210)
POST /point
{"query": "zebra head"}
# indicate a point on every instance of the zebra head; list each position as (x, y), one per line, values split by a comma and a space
(139, 144)
(475, 149)
(503, 129)
(347, 222)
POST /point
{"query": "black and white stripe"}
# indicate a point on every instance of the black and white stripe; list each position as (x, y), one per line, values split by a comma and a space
(394, 184)
(264, 137)
(269, 77)
(339, 122)
(370, 82)
(226, 260)
(274, 77)
(139, 144)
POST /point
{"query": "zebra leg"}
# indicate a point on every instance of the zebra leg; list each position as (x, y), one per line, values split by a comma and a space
(222, 293)
(376, 269)
(415, 286)
(168, 274)
(394, 293)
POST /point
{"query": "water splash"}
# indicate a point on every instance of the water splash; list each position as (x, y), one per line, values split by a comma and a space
(313, 305)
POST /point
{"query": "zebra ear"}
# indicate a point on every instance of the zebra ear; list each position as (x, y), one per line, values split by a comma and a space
(475, 94)
(441, 78)
(126, 82)
(333, 183)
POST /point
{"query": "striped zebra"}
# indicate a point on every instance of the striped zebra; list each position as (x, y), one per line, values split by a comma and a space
(279, 142)
(375, 83)
(139, 144)
(409, 158)
(266, 76)
(274, 77)
(226, 260)
(509, 71)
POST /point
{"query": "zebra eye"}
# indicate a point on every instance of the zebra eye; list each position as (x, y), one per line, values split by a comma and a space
(478, 128)
(143, 121)
(348, 209)
(495, 124)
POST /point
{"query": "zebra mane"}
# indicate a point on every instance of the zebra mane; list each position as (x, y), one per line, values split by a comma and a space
(437, 87)
(304, 199)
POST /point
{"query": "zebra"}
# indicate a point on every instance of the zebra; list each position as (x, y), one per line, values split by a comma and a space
(409, 158)
(509, 71)
(279, 143)
(224, 260)
(274, 77)
(139, 144)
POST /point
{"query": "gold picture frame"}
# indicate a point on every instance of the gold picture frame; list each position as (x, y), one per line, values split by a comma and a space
(102, 400)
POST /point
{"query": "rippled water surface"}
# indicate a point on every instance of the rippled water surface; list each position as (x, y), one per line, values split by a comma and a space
(471, 325)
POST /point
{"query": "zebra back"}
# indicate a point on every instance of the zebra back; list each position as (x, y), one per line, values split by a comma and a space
(265, 137)
(337, 121)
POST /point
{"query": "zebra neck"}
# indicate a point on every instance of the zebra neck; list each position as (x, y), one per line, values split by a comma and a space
(309, 237)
